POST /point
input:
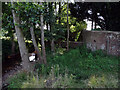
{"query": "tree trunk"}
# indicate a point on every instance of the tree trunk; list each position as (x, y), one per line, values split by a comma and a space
(52, 41)
(34, 43)
(95, 25)
(13, 45)
(59, 12)
(51, 30)
(22, 46)
(52, 46)
(92, 24)
(42, 40)
(47, 26)
(95, 20)
(67, 28)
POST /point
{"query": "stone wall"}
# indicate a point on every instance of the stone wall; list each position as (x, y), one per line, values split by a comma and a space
(108, 41)
(72, 44)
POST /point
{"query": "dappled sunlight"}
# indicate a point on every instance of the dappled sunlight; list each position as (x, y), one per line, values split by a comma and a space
(61, 50)
(102, 81)
(46, 45)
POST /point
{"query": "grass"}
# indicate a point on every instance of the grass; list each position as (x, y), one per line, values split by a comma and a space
(83, 63)
(50, 81)
(90, 70)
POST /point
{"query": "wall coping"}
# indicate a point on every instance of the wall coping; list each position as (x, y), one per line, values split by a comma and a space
(114, 32)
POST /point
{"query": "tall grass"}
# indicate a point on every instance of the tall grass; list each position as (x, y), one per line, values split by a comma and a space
(52, 80)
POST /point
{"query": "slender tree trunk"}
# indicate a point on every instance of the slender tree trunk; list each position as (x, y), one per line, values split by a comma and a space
(52, 42)
(59, 12)
(92, 24)
(51, 30)
(52, 46)
(1, 48)
(22, 46)
(55, 8)
(13, 45)
(42, 40)
(95, 20)
(47, 26)
(67, 28)
(34, 43)
(95, 25)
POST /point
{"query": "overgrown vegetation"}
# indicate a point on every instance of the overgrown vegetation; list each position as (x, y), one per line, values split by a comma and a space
(77, 68)
(36, 26)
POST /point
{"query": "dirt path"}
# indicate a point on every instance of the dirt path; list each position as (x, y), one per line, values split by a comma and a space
(10, 73)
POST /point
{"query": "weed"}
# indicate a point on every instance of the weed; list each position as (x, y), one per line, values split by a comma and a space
(103, 81)
(50, 81)
(16, 81)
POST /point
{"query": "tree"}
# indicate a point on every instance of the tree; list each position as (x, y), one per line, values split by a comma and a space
(107, 10)
(67, 28)
(42, 38)
(75, 25)
(8, 25)
(32, 7)
(29, 12)
(52, 21)
(23, 50)
(34, 43)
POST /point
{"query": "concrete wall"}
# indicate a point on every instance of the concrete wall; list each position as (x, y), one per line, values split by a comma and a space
(105, 40)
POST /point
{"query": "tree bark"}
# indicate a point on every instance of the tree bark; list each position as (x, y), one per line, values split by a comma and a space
(95, 16)
(67, 28)
(42, 39)
(92, 25)
(52, 42)
(95, 25)
(22, 46)
(51, 30)
(59, 12)
(13, 45)
(52, 46)
(34, 43)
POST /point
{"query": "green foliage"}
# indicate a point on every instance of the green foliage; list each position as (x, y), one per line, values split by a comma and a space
(97, 29)
(17, 80)
(53, 80)
(2, 33)
(50, 81)
(75, 26)
(85, 63)
(90, 69)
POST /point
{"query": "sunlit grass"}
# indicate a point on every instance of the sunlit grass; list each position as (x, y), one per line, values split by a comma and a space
(103, 81)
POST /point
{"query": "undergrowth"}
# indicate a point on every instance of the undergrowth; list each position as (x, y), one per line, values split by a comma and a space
(90, 70)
